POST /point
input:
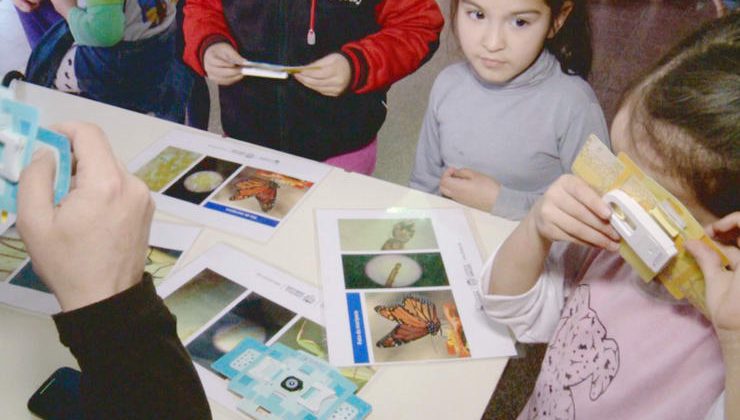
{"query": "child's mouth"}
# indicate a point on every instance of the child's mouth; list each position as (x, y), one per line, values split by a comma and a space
(492, 63)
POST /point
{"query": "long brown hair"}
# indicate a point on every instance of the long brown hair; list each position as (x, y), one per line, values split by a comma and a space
(572, 44)
(688, 106)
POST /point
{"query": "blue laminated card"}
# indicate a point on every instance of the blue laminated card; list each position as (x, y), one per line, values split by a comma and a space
(20, 137)
(278, 382)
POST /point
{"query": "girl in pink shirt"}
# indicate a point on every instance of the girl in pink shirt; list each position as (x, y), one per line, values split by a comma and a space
(618, 348)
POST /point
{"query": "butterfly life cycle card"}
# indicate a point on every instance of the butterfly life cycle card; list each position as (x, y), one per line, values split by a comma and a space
(22, 288)
(224, 297)
(226, 184)
(399, 286)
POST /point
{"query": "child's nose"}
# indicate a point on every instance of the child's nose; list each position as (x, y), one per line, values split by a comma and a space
(494, 38)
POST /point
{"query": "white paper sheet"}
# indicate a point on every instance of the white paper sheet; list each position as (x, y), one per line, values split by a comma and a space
(224, 183)
(224, 296)
(22, 288)
(399, 287)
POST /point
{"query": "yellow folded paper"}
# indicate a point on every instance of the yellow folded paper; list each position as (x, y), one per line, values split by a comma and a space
(681, 276)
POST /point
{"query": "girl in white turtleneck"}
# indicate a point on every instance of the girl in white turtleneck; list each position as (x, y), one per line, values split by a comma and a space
(503, 125)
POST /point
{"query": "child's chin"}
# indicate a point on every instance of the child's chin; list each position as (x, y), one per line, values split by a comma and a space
(493, 77)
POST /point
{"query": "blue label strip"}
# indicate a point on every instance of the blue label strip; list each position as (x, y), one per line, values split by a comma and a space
(357, 328)
(241, 213)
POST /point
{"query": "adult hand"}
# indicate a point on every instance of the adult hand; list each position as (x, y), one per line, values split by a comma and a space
(64, 6)
(328, 75)
(222, 64)
(93, 244)
(469, 187)
(723, 283)
(571, 211)
(26, 6)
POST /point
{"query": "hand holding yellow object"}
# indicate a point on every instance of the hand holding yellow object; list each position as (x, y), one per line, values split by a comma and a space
(680, 273)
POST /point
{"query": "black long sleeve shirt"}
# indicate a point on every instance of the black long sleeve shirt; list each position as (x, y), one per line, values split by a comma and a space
(133, 364)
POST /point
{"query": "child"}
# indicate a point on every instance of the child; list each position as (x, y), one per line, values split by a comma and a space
(120, 52)
(614, 350)
(354, 51)
(515, 115)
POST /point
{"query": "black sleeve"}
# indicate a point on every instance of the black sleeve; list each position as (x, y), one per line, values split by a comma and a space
(133, 364)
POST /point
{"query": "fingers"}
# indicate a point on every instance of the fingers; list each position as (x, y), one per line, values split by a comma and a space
(591, 209)
(36, 195)
(321, 68)
(587, 197)
(224, 55)
(223, 73)
(222, 64)
(571, 210)
(449, 184)
(140, 193)
(577, 224)
(326, 87)
(446, 191)
(329, 75)
(450, 171)
(36, 191)
(92, 152)
(726, 229)
(464, 173)
(317, 71)
(708, 260)
(229, 55)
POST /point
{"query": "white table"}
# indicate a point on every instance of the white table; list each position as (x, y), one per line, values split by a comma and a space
(29, 347)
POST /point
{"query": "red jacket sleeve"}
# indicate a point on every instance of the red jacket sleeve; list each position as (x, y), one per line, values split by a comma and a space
(409, 36)
(203, 26)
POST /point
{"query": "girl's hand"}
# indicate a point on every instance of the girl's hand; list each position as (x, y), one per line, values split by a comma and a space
(469, 187)
(222, 64)
(328, 75)
(64, 6)
(26, 6)
(723, 285)
(571, 211)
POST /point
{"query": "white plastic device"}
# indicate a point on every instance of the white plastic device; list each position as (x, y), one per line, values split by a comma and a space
(13, 143)
(13, 149)
(643, 234)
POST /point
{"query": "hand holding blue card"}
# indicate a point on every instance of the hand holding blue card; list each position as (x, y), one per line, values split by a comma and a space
(20, 138)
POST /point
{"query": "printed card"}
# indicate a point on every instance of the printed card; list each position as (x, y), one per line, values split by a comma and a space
(22, 288)
(226, 184)
(399, 287)
(225, 296)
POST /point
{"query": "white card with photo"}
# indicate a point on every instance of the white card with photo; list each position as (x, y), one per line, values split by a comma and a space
(399, 287)
(225, 296)
(22, 288)
(225, 183)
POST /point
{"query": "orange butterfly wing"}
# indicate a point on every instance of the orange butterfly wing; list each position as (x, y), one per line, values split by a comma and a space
(416, 318)
(283, 180)
(263, 190)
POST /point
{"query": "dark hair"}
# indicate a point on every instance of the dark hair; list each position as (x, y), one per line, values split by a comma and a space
(688, 106)
(572, 44)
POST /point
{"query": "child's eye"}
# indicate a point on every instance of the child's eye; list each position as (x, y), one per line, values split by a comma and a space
(475, 14)
(519, 23)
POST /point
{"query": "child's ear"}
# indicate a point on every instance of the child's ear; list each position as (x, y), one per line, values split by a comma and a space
(560, 19)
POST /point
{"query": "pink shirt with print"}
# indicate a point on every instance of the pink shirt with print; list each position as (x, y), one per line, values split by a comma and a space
(616, 352)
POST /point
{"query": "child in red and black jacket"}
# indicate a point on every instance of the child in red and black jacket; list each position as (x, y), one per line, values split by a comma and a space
(354, 51)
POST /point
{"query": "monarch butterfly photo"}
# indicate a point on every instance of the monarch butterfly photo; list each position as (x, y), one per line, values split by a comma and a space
(283, 180)
(416, 318)
(265, 191)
